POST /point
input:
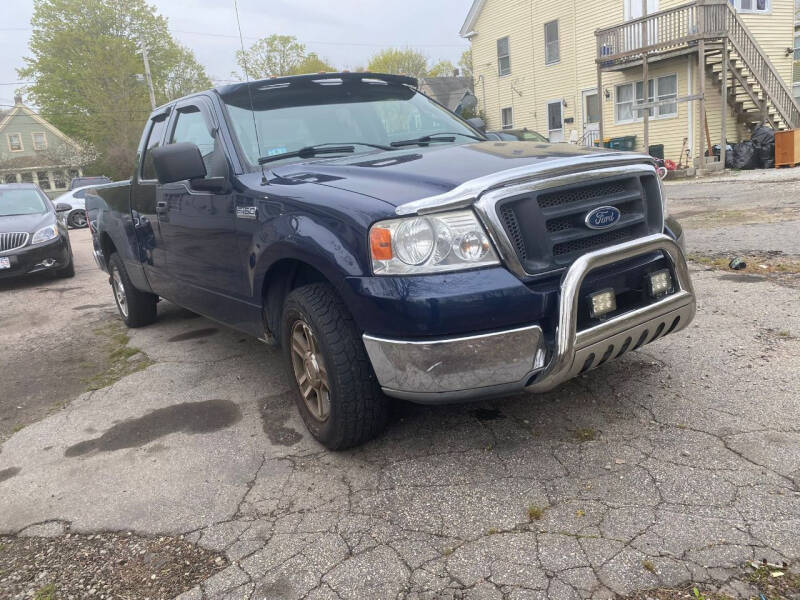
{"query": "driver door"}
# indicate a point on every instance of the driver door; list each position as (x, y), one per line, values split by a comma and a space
(199, 227)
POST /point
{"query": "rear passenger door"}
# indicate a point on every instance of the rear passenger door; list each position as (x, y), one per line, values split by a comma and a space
(199, 227)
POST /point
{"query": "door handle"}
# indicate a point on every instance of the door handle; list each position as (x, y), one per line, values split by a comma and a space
(161, 206)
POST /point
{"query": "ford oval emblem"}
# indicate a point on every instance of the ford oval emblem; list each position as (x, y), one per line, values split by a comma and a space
(603, 217)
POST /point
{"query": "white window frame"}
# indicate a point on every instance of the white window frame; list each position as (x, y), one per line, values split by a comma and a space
(753, 10)
(549, 59)
(21, 145)
(510, 123)
(560, 102)
(507, 56)
(33, 139)
(656, 112)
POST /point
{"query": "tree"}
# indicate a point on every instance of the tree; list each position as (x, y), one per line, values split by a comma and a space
(272, 55)
(399, 62)
(444, 68)
(87, 72)
(465, 63)
(312, 64)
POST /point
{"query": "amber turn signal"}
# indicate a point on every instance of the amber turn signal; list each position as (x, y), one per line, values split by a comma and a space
(380, 243)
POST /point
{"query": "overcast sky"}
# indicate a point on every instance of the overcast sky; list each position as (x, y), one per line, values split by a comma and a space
(345, 32)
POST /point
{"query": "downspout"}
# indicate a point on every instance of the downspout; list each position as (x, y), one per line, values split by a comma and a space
(689, 106)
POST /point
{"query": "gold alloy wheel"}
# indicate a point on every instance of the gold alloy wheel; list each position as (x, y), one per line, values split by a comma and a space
(119, 292)
(310, 371)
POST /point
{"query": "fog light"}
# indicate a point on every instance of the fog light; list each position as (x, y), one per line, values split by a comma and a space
(602, 303)
(48, 262)
(660, 283)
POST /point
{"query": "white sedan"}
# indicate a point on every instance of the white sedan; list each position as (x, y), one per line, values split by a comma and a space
(75, 199)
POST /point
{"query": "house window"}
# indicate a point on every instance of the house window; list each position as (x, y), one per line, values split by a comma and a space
(751, 6)
(15, 142)
(10, 178)
(503, 57)
(797, 47)
(44, 180)
(555, 122)
(59, 182)
(39, 140)
(551, 51)
(26, 177)
(664, 88)
(507, 117)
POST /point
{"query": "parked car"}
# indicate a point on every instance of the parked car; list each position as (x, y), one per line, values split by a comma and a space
(76, 201)
(387, 246)
(33, 238)
(79, 182)
(521, 135)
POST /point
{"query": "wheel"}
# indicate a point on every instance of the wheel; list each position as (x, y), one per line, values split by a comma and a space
(136, 308)
(337, 393)
(77, 219)
(69, 270)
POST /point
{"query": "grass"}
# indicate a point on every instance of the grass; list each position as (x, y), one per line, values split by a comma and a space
(17, 428)
(649, 566)
(585, 434)
(117, 353)
(535, 513)
(47, 592)
(493, 530)
(756, 265)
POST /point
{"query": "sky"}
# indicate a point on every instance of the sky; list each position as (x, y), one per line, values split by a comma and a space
(344, 32)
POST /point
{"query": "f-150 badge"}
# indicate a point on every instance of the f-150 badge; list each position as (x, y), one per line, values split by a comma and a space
(246, 212)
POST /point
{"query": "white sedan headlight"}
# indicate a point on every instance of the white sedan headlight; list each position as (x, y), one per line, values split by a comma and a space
(45, 234)
(430, 244)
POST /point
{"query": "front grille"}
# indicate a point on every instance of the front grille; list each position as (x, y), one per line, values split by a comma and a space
(548, 229)
(12, 241)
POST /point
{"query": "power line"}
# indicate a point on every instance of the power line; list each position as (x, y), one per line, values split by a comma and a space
(310, 42)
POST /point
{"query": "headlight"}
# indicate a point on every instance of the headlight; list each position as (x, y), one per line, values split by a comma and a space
(430, 244)
(45, 234)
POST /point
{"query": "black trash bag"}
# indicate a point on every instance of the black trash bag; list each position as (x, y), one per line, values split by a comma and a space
(763, 139)
(729, 158)
(745, 156)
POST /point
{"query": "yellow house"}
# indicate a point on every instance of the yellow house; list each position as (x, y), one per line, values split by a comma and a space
(573, 70)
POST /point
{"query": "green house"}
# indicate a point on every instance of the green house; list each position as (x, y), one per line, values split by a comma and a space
(34, 151)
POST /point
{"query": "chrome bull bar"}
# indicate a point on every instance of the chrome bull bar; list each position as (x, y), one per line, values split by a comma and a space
(571, 345)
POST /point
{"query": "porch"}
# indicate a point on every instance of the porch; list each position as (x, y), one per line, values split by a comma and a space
(727, 54)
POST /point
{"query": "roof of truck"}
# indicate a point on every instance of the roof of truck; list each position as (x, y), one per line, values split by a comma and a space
(320, 79)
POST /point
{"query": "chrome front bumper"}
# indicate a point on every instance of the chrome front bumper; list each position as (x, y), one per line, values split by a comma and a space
(504, 362)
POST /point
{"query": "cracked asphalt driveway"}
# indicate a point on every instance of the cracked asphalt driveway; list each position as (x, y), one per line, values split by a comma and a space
(675, 463)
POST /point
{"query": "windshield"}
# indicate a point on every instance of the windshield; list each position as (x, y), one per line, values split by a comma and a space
(295, 115)
(21, 202)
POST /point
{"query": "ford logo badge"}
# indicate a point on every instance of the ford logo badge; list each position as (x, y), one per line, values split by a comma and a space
(603, 217)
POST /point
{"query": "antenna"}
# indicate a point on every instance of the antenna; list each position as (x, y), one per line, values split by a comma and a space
(249, 90)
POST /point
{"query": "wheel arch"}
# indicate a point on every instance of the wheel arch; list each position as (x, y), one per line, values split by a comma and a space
(283, 276)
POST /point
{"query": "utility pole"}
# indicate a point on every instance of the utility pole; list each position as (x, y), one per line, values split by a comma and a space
(147, 76)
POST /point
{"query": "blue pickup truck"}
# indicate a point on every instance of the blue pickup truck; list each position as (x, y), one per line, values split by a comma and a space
(388, 246)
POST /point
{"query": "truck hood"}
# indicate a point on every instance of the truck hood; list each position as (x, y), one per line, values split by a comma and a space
(410, 174)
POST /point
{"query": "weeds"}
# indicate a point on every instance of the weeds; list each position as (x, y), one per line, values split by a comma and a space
(585, 434)
(535, 512)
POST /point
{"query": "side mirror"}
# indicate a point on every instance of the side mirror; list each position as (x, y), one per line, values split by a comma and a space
(178, 162)
(478, 124)
(61, 207)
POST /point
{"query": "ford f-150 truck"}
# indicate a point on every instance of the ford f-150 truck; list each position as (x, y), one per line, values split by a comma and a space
(388, 246)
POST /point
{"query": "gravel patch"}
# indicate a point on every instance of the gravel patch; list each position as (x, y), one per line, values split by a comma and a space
(103, 566)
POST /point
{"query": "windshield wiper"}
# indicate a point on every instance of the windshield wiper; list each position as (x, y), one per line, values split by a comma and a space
(433, 138)
(317, 149)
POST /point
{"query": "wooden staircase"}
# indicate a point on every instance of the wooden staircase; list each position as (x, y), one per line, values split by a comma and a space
(757, 93)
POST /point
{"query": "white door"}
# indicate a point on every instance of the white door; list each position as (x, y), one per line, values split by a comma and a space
(633, 33)
(555, 121)
(591, 117)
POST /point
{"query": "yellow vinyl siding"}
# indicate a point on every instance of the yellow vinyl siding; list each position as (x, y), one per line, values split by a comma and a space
(532, 84)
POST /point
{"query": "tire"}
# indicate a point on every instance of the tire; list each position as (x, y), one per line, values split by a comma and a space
(136, 308)
(77, 219)
(357, 410)
(69, 270)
